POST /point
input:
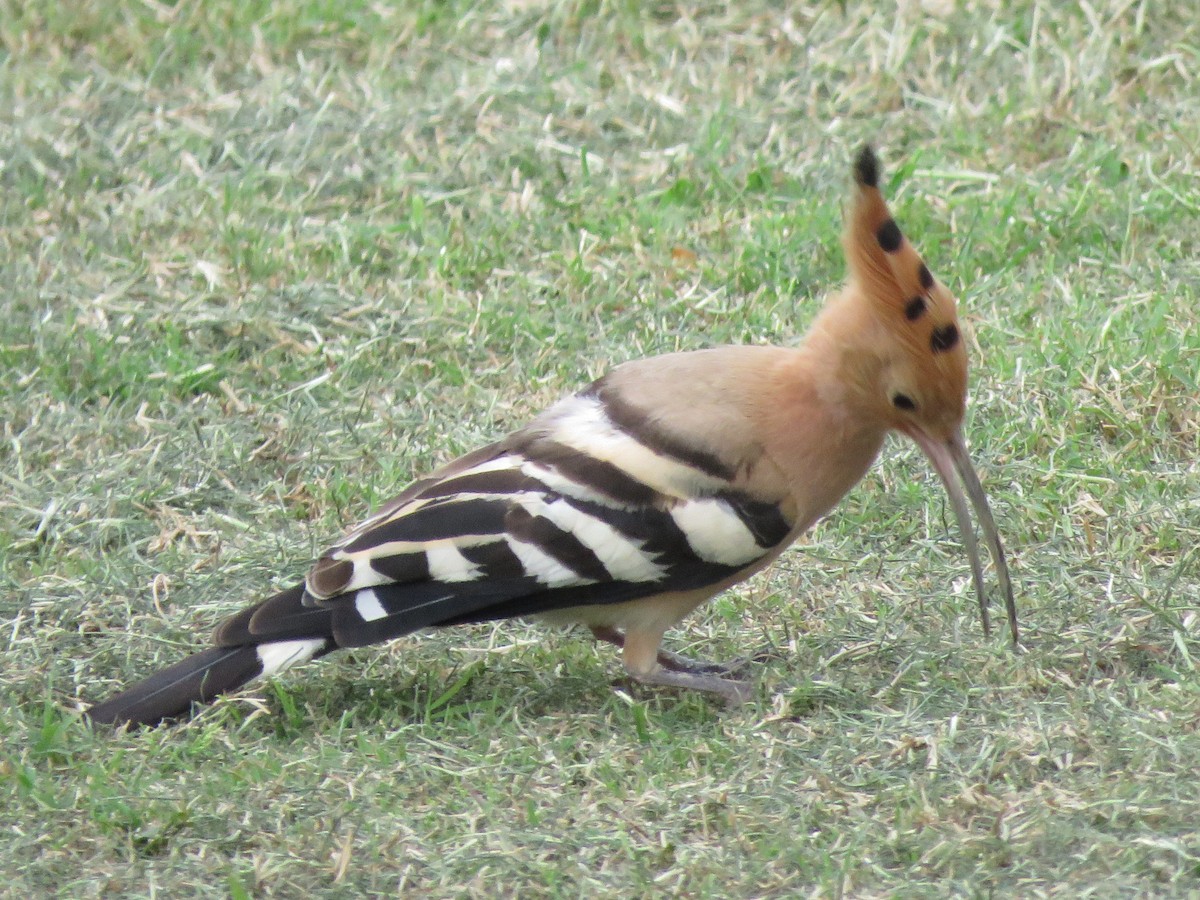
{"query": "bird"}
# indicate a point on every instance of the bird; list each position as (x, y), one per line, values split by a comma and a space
(627, 505)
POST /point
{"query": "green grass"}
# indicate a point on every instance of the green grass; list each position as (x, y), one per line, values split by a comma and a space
(264, 262)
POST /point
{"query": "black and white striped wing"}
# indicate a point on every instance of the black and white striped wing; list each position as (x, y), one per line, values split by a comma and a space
(573, 510)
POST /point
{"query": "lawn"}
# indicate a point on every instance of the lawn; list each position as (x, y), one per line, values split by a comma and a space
(263, 262)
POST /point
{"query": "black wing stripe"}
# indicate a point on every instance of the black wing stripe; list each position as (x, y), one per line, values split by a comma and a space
(590, 473)
(495, 560)
(468, 461)
(402, 567)
(555, 542)
(440, 520)
(654, 529)
(490, 481)
(640, 425)
(763, 520)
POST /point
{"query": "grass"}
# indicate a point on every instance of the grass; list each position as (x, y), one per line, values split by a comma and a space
(264, 262)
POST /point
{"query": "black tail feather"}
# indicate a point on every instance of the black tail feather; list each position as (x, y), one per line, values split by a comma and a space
(263, 634)
(171, 692)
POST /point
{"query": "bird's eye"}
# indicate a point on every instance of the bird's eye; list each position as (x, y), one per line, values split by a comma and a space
(903, 401)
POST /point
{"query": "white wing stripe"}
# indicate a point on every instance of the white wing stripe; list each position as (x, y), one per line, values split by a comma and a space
(368, 607)
(447, 564)
(562, 484)
(545, 568)
(621, 556)
(716, 532)
(582, 424)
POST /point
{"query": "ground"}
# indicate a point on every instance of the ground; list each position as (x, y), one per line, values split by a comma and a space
(263, 262)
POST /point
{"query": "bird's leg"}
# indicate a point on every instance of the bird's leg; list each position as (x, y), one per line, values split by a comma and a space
(648, 663)
(607, 634)
(676, 662)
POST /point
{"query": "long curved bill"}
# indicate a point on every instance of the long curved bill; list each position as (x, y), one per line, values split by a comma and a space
(948, 457)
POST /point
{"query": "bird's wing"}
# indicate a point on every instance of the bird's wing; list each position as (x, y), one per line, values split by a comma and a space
(576, 509)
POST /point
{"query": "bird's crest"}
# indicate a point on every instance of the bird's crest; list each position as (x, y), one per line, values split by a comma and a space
(886, 268)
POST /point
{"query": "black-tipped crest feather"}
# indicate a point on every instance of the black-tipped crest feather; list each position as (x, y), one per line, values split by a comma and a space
(866, 167)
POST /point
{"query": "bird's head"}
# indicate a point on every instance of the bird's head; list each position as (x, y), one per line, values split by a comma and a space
(902, 348)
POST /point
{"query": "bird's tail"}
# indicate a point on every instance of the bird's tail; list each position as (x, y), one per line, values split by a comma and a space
(241, 656)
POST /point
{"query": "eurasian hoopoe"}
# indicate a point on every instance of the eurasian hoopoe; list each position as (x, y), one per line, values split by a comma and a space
(627, 505)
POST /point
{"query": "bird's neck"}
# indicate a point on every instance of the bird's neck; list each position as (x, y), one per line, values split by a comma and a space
(822, 423)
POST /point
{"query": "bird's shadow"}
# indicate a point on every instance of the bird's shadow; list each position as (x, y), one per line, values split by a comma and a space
(481, 690)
